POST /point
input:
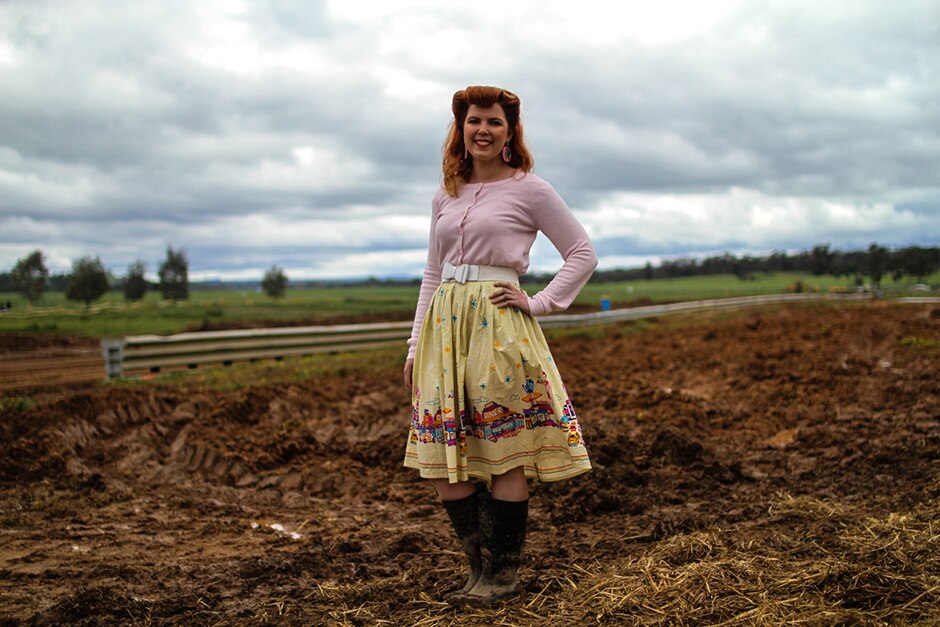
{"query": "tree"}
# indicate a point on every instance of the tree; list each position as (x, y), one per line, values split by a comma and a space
(174, 275)
(779, 262)
(851, 263)
(274, 283)
(821, 259)
(135, 284)
(918, 262)
(30, 275)
(878, 257)
(88, 281)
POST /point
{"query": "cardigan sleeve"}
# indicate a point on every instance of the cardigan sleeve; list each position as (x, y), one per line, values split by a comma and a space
(429, 280)
(553, 217)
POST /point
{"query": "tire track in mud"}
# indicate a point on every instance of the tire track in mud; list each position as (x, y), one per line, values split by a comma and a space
(276, 440)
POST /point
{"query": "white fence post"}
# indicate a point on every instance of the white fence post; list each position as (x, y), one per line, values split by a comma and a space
(113, 352)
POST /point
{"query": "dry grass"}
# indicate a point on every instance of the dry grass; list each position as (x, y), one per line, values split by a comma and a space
(829, 565)
(809, 562)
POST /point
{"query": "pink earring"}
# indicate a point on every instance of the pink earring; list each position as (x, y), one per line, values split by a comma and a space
(466, 153)
(507, 153)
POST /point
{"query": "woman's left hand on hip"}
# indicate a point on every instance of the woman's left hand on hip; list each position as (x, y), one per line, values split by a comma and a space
(509, 295)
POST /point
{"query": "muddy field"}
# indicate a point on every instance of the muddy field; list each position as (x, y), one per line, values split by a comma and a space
(755, 468)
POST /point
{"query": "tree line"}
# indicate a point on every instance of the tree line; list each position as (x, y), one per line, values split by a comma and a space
(89, 280)
(875, 262)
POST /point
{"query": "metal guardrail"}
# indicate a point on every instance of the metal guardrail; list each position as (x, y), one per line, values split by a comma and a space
(151, 353)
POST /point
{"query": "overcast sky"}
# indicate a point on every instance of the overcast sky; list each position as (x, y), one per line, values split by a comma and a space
(308, 134)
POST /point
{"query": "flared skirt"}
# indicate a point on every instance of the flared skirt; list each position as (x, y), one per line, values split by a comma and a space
(487, 396)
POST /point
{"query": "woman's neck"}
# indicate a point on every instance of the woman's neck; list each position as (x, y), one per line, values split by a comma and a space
(489, 172)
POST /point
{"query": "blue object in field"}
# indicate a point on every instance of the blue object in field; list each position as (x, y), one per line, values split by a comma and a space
(605, 303)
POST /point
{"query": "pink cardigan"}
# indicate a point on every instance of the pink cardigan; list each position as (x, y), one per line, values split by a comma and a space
(495, 224)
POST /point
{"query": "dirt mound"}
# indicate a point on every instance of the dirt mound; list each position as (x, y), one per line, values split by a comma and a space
(731, 453)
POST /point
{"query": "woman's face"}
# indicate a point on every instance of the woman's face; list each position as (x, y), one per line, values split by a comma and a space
(485, 132)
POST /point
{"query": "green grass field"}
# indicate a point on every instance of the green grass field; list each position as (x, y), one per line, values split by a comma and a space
(112, 317)
(704, 287)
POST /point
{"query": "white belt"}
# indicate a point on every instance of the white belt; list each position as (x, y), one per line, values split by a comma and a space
(472, 272)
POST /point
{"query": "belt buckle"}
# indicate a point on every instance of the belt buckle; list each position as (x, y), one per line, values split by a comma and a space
(461, 273)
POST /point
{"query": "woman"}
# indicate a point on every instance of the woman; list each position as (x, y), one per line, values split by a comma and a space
(488, 404)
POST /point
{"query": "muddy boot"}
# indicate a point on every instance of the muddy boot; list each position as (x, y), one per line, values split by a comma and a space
(503, 524)
(465, 516)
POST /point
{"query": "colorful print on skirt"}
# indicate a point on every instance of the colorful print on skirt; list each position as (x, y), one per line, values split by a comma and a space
(486, 394)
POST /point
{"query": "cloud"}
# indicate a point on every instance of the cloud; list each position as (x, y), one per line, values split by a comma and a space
(743, 219)
(308, 134)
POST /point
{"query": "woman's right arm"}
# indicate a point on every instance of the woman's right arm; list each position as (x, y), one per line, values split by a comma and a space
(409, 368)
(429, 280)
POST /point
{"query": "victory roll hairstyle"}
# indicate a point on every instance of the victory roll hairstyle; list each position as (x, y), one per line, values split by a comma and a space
(458, 165)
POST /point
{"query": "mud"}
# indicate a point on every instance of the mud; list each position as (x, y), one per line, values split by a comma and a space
(288, 503)
(11, 342)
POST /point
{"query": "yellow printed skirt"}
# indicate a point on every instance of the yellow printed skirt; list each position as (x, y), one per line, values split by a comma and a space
(486, 395)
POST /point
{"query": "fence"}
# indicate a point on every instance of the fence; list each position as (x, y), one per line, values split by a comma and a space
(151, 353)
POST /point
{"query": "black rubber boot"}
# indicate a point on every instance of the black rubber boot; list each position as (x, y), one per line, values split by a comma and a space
(465, 516)
(503, 526)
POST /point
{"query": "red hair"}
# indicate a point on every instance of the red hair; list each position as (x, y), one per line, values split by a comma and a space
(457, 165)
